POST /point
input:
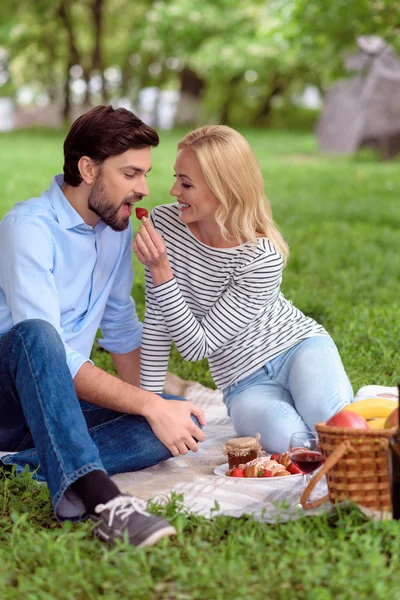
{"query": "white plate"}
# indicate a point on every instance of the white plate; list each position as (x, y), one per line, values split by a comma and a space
(223, 469)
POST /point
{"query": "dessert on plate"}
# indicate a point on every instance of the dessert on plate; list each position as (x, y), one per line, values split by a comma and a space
(265, 466)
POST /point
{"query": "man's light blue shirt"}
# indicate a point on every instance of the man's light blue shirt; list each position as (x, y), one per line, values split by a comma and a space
(53, 266)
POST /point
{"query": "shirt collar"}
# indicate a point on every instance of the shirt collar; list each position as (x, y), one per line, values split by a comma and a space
(67, 216)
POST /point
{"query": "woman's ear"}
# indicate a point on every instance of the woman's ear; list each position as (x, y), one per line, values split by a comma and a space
(87, 169)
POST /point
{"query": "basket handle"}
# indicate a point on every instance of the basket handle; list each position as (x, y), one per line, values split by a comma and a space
(330, 462)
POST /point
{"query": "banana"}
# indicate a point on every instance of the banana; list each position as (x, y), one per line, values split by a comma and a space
(372, 408)
(377, 423)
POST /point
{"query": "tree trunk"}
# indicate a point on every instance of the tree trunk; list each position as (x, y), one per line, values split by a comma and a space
(125, 74)
(50, 45)
(188, 109)
(97, 53)
(232, 83)
(73, 57)
(67, 94)
(86, 78)
(278, 86)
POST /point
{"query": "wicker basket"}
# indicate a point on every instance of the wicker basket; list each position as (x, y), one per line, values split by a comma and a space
(356, 467)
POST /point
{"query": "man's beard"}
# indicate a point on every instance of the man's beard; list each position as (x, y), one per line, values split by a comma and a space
(104, 208)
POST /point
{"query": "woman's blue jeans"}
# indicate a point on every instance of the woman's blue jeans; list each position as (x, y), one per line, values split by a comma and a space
(51, 430)
(305, 385)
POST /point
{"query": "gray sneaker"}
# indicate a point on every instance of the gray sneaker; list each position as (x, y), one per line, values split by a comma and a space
(127, 514)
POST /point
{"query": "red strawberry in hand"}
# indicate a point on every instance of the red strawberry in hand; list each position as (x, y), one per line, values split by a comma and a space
(237, 472)
(275, 456)
(141, 212)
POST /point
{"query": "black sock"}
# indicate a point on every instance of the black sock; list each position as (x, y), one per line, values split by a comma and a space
(6, 467)
(95, 488)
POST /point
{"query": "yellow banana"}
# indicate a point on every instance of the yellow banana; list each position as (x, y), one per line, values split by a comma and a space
(377, 423)
(372, 408)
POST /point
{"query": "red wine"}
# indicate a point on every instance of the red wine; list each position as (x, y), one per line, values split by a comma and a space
(394, 470)
(307, 460)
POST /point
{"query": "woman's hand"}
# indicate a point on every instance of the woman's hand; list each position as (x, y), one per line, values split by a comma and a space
(150, 249)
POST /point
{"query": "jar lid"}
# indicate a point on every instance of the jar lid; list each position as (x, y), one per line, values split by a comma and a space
(242, 445)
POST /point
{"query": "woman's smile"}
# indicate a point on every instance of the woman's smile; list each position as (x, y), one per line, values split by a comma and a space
(183, 206)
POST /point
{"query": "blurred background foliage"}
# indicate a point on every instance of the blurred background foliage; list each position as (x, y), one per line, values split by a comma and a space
(232, 62)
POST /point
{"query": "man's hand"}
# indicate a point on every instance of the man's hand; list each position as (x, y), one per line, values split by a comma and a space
(171, 422)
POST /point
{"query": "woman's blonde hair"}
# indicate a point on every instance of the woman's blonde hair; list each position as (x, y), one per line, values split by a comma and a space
(231, 171)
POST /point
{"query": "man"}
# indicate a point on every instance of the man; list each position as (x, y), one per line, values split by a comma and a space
(65, 271)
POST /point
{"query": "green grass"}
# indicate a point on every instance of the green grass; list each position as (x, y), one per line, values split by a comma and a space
(341, 218)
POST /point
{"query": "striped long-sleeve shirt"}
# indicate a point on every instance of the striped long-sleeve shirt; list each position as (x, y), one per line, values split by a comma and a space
(223, 303)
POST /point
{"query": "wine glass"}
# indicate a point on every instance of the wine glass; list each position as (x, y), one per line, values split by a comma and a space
(305, 453)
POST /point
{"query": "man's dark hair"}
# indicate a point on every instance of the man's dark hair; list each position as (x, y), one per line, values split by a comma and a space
(103, 132)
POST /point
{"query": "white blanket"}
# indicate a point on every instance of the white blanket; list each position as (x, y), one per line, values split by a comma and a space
(204, 492)
(207, 494)
(192, 475)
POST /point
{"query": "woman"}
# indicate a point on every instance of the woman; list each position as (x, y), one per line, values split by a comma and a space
(214, 268)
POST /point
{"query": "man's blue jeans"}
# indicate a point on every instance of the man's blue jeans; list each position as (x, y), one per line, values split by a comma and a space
(50, 429)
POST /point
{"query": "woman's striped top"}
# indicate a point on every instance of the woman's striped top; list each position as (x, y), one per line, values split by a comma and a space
(223, 303)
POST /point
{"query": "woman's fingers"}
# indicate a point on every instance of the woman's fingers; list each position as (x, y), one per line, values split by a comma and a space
(143, 247)
(138, 253)
(148, 232)
(147, 246)
(147, 239)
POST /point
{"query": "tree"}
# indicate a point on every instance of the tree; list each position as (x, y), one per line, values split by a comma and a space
(49, 37)
(322, 32)
(218, 44)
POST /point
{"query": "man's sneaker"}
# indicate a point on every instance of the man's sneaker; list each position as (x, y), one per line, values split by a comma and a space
(127, 514)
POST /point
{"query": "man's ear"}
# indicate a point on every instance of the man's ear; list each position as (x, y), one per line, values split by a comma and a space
(87, 169)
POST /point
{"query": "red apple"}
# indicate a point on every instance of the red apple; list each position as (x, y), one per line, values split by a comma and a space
(346, 418)
(393, 419)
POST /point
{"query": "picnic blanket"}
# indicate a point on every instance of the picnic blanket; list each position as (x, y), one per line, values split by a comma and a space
(192, 476)
(207, 494)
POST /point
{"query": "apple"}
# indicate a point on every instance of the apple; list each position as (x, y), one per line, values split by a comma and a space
(393, 419)
(346, 418)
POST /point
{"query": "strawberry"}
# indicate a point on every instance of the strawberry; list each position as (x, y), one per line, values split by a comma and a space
(267, 473)
(275, 456)
(293, 469)
(237, 472)
(141, 212)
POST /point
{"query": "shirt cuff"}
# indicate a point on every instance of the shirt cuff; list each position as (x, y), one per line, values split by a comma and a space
(75, 360)
(123, 345)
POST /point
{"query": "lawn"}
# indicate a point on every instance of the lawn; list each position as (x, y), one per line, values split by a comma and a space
(341, 219)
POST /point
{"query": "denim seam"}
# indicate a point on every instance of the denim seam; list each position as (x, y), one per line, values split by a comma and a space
(26, 453)
(7, 459)
(68, 480)
(97, 427)
(41, 405)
